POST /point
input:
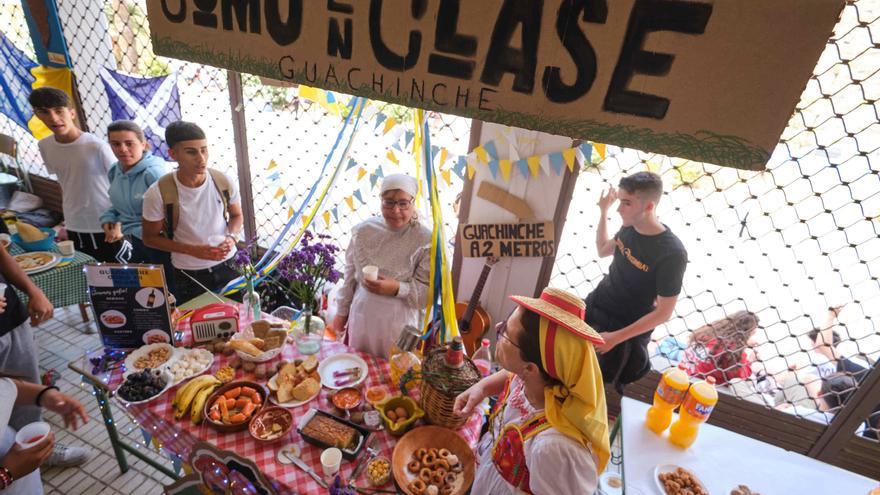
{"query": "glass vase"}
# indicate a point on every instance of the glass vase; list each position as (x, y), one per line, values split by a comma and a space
(308, 333)
(251, 301)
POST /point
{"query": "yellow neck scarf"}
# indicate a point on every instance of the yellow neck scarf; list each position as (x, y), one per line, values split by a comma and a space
(577, 409)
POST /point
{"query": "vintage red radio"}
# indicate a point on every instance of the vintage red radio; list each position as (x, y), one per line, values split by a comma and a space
(214, 321)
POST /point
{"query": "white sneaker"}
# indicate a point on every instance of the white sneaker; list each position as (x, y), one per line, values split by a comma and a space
(66, 456)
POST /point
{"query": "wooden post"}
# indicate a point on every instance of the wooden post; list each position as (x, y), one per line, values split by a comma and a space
(242, 159)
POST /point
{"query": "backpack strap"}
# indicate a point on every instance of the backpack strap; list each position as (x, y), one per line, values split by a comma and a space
(221, 183)
(171, 201)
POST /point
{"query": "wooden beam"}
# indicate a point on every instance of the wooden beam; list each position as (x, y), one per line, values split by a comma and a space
(464, 209)
(242, 158)
(859, 406)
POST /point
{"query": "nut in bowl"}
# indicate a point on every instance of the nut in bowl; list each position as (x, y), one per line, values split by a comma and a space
(399, 414)
(271, 424)
(379, 471)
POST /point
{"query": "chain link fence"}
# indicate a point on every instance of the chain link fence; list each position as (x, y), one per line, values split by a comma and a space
(787, 243)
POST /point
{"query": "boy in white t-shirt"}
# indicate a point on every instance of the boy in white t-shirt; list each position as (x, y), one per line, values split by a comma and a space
(195, 214)
(80, 161)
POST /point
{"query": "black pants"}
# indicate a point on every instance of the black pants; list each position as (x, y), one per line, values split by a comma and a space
(141, 253)
(213, 279)
(629, 360)
(93, 245)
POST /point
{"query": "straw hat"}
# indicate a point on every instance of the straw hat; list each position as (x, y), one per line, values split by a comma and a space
(564, 308)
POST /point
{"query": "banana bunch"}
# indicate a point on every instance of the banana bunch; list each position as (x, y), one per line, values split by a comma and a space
(191, 397)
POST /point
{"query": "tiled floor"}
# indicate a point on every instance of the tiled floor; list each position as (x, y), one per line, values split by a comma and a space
(60, 341)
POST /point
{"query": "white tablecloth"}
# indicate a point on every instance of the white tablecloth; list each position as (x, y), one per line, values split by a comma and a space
(722, 459)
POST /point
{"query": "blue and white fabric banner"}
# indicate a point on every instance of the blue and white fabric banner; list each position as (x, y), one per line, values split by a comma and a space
(151, 102)
(15, 82)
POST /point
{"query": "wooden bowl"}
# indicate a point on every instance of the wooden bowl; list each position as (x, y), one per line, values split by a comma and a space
(220, 426)
(263, 420)
(427, 437)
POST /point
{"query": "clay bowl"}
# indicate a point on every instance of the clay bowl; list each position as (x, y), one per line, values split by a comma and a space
(260, 426)
(219, 425)
(427, 437)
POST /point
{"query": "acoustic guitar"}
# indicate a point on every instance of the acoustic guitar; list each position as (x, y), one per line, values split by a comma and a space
(473, 321)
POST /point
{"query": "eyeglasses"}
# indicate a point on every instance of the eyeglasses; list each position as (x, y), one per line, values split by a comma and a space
(403, 204)
(502, 333)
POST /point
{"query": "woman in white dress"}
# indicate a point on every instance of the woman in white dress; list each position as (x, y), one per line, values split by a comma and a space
(375, 311)
(548, 432)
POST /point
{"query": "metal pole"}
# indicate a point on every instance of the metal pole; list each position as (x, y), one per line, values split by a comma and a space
(239, 134)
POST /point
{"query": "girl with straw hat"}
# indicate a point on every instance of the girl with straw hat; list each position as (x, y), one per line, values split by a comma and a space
(549, 430)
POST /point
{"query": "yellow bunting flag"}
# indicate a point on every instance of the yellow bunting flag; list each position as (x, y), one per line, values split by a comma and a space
(326, 216)
(444, 154)
(392, 158)
(600, 148)
(309, 93)
(361, 173)
(568, 156)
(447, 176)
(389, 124)
(534, 165)
(272, 164)
(279, 193)
(471, 171)
(506, 166)
(289, 212)
(482, 156)
(350, 202)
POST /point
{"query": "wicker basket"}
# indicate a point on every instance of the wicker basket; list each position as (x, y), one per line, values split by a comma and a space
(441, 385)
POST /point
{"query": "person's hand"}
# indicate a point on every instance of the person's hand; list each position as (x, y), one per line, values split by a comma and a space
(21, 462)
(66, 406)
(206, 252)
(835, 310)
(339, 322)
(468, 400)
(383, 286)
(612, 339)
(228, 244)
(39, 308)
(2, 304)
(606, 199)
(112, 232)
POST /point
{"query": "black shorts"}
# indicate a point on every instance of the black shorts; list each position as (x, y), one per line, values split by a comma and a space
(628, 361)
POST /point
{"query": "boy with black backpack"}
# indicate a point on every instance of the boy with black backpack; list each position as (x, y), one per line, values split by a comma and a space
(195, 214)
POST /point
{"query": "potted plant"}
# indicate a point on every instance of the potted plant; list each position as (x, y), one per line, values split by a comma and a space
(305, 270)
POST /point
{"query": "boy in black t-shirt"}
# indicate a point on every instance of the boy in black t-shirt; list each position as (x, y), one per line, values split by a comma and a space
(643, 282)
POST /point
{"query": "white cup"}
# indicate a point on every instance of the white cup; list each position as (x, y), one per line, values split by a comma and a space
(66, 248)
(330, 460)
(32, 434)
(371, 272)
(216, 240)
(3, 290)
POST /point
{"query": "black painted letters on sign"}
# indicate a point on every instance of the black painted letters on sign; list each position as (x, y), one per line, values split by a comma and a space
(447, 39)
(384, 55)
(284, 32)
(578, 47)
(502, 58)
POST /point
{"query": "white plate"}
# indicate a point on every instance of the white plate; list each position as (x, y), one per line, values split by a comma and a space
(179, 355)
(669, 468)
(169, 382)
(293, 403)
(136, 354)
(339, 362)
(106, 318)
(37, 269)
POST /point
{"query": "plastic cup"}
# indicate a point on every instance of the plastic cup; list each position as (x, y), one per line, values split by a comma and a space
(216, 240)
(66, 248)
(371, 272)
(3, 290)
(33, 433)
(330, 460)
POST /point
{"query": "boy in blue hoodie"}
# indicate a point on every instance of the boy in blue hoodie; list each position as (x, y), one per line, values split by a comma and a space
(134, 172)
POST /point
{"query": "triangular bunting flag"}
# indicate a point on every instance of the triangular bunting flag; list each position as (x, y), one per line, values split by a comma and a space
(493, 167)
(309, 93)
(447, 176)
(390, 123)
(481, 154)
(556, 162)
(534, 165)
(272, 164)
(335, 212)
(289, 212)
(444, 154)
(568, 156)
(361, 173)
(460, 166)
(380, 172)
(409, 135)
(471, 171)
(379, 119)
(284, 199)
(274, 177)
(373, 180)
(545, 163)
(357, 194)
(490, 148)
(523, 167)
(392, 158)
(434, 150)
(506, 165)
(351, 164)
(587, 152)
(326, 216)
(279, 193)
(600, 148)
(350, 202)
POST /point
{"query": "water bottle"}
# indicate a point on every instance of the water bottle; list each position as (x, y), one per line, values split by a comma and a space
(482, 357)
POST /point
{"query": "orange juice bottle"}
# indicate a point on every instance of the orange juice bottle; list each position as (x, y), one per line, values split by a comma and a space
(669, 394)
(695, 410)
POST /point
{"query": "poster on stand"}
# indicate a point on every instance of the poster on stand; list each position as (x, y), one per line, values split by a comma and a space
(130, 304)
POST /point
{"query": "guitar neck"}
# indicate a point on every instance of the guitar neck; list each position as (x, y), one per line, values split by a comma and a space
(478, 291)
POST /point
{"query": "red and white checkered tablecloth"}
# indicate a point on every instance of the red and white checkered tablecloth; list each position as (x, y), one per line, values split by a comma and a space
(179, 436)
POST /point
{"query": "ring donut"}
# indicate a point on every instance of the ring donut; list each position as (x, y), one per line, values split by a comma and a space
(442, 464)
(414, 467)
(457, 468)
(430, 460)
(417, 487)
(420, 453)
(444, 453)
(449, 479)
(425, 475)
(433, 451)
(447, 490)
(436, 479)
(442, 472)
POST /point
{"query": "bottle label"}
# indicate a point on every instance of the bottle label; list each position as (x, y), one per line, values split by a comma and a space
(697, 409)
(669, 393)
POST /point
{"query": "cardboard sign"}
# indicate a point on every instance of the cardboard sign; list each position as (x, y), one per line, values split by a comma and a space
(517, 240)
(714, 81)
(216, 471)
(130, 303)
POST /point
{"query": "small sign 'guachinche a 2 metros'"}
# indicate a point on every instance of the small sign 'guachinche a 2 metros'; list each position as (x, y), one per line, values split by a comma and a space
(708, 80)
(517, 240)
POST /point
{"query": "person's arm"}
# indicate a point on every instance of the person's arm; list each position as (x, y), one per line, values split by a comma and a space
(489, 386)
(39, 306)
(349, 285)
(826, 332)
(152, 237)
(661, 314)
(605, 244)
(233, 226)
(413, 290)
